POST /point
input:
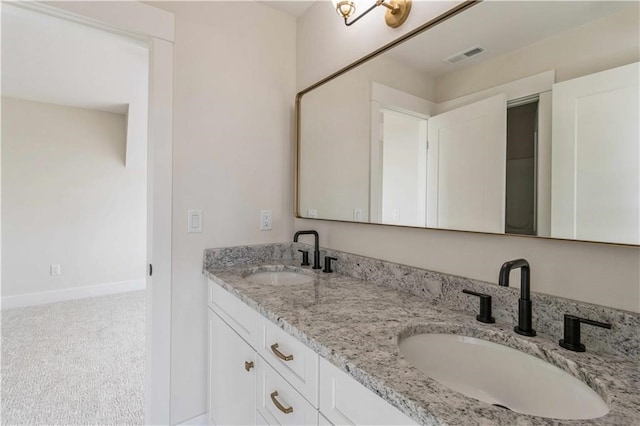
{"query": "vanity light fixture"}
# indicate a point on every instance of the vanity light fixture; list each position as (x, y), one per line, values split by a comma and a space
(397, 11)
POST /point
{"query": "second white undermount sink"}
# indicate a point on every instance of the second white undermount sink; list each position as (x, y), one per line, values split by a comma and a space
(502, 376)
(279, 278)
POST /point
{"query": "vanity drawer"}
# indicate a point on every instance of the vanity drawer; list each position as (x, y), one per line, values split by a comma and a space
(240, 317)
(293, 360)
(343, 400)
(273, 390)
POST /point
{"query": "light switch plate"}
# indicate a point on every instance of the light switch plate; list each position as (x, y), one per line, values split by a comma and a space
(194, 221)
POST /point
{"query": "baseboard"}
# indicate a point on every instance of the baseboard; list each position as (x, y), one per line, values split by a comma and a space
(201, 420)
(44, 297)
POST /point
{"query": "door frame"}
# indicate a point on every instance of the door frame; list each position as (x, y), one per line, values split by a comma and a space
(157, 28)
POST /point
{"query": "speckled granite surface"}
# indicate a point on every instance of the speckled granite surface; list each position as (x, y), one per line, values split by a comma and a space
(356, 320)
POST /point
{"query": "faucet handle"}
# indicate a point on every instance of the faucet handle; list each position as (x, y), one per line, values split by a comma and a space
(327, 264)
(485, 307)
(571, 339)
(305, 257)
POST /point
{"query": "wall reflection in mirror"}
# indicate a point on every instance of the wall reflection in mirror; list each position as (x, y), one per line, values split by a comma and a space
(510, 117)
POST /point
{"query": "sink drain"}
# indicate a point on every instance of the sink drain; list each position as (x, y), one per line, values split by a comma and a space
(501, 406)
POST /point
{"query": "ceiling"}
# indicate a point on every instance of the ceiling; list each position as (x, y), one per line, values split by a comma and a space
(48, 59)
(52, 60)
(499, 27)
(292, 7)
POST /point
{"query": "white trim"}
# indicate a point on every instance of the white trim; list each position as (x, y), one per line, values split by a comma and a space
(129, 17)
(201, 420)
(532, 85)
(543, 225)
(32, 299)
(401, 101)
(375, 165)
(159, 225)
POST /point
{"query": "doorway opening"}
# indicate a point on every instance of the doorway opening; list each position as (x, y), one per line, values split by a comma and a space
(521, 171)
(74, 215)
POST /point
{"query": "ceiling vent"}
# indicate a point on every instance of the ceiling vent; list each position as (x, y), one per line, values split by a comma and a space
(459, 57)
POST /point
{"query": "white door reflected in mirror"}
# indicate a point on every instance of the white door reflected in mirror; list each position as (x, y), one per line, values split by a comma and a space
(596, 157)
(466, 176)
(404, 168)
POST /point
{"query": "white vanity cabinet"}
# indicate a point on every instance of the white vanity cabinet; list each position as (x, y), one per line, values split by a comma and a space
(232, 376)
(345, 401)
(232, 359)
(245, 389)
(290, 358)
(278, 402)
(259, 374)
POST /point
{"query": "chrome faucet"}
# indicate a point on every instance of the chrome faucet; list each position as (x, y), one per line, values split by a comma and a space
(524, 303)
(316, 252)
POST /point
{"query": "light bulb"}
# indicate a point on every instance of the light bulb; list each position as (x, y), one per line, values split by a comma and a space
(344, 8)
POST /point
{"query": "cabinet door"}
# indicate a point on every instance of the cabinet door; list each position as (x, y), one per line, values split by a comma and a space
(232, 377)
(344, 401)
(323, 421)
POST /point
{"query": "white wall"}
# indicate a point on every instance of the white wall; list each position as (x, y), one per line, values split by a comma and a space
(234, 91)
(597, 273)
(336, 191)
(68, 199)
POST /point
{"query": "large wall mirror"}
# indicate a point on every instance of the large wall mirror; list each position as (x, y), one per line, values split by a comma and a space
(514, 117)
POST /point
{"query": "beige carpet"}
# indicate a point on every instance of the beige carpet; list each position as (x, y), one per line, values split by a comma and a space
(74, 363)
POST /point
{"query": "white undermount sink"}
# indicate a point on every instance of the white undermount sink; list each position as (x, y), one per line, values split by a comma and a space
(278, 278)
(502, 376)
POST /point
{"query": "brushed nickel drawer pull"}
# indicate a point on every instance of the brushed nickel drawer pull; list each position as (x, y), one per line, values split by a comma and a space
(281, 407)
(248, 365)
(274, 349)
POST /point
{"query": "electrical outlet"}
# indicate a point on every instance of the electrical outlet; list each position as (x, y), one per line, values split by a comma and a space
(54, 270)
(312, 213)
(357, 215)
(396, 215)
(265, 220)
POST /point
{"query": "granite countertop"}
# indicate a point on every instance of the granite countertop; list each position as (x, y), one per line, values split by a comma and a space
(356, 325)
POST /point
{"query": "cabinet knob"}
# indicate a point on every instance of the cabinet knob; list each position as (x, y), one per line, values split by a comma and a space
(248, 365)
